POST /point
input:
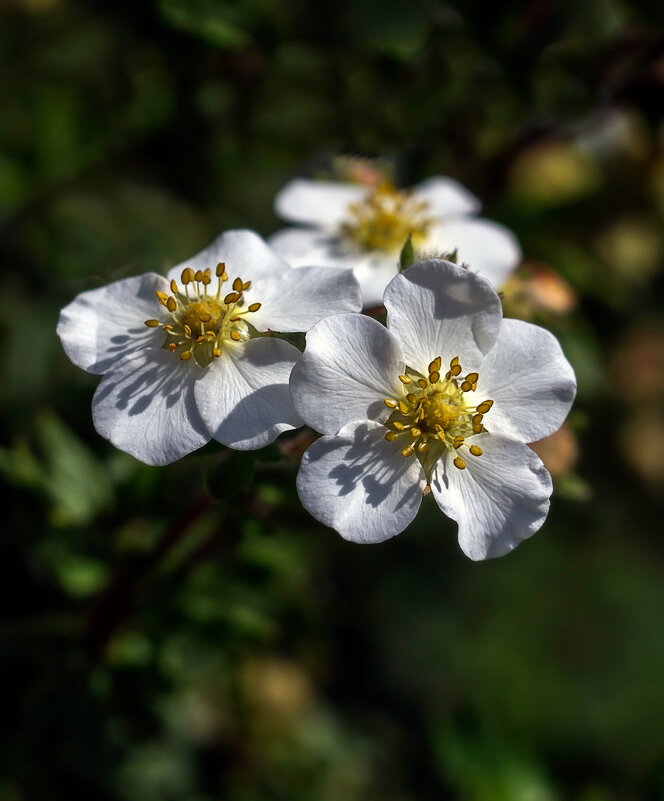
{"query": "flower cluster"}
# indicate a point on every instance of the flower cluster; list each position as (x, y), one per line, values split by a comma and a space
(441, 401)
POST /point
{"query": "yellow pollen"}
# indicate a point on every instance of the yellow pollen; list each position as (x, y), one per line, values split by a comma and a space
(435, 416)
(384, 220)
(197, 321)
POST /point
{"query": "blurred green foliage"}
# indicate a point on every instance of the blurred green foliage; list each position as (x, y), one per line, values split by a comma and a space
(159, 644)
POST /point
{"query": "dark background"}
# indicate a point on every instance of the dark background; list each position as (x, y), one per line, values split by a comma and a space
(158, 645)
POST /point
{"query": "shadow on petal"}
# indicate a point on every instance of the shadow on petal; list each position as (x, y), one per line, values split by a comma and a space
(263, 414)
(367, 463)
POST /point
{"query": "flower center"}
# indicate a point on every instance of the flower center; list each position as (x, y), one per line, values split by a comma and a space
(385, 218)
(198, 322)
(433, 415)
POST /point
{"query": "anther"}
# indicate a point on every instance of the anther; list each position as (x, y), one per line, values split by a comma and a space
(405, 379)
(172, 347)
(422, 446)
(477, 418)
(199, 275)
(411, 397)
(188, 275)
(200, 339)
(235, 336)
(475, 450)
(460, 463)
(237, 285)
(187, 330)
(391, 403)
(415, 433)
(254, 307)
(422, 382)
(455, 369)
(246, 285)
(205, 318)
(408, 450)
(484, 407)
(206, 278)
(231, 298)
(435, 365)
(466, 386)
(216, 352)
(391, 436)
(221, 269)
(185, 355)
(163, 297)
(457, 442)
(171, 304)
(472, 377)
(454, 361)
(434, 377)
(152, 323)
(478, 428)
(403, 408)
(398, 425)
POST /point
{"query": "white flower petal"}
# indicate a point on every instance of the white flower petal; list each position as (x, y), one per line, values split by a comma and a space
(446, 197)
(359, 484)
(310, 246)
(374, 272)
(500, 499)
(350, 365)
(488, 248)
(306, 247)
(530, 381)
(244, 252)
(145, 406)
(296, 299)
(243, 396)
(102, 326)
(436, 308)
(320, 203)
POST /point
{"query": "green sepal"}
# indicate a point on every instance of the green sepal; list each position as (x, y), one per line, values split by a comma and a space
(407, 255)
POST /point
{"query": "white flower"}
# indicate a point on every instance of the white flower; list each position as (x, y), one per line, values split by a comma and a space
(349, 225)
(184, 357)
(442, 401)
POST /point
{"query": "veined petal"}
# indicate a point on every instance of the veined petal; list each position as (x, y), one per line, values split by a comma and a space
(243, 396)
(322, 204)
(446, 197)
(530, 381)
(350, 365)
(359, 484)
(101, 327)
(245, 254)
(145, 406)
(436, 308)
(488, 248)
(296, 299)
(500, 499)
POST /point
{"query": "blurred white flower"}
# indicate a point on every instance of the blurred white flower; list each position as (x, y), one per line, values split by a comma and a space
(187, 357)
(364, 228)
(402, 414)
